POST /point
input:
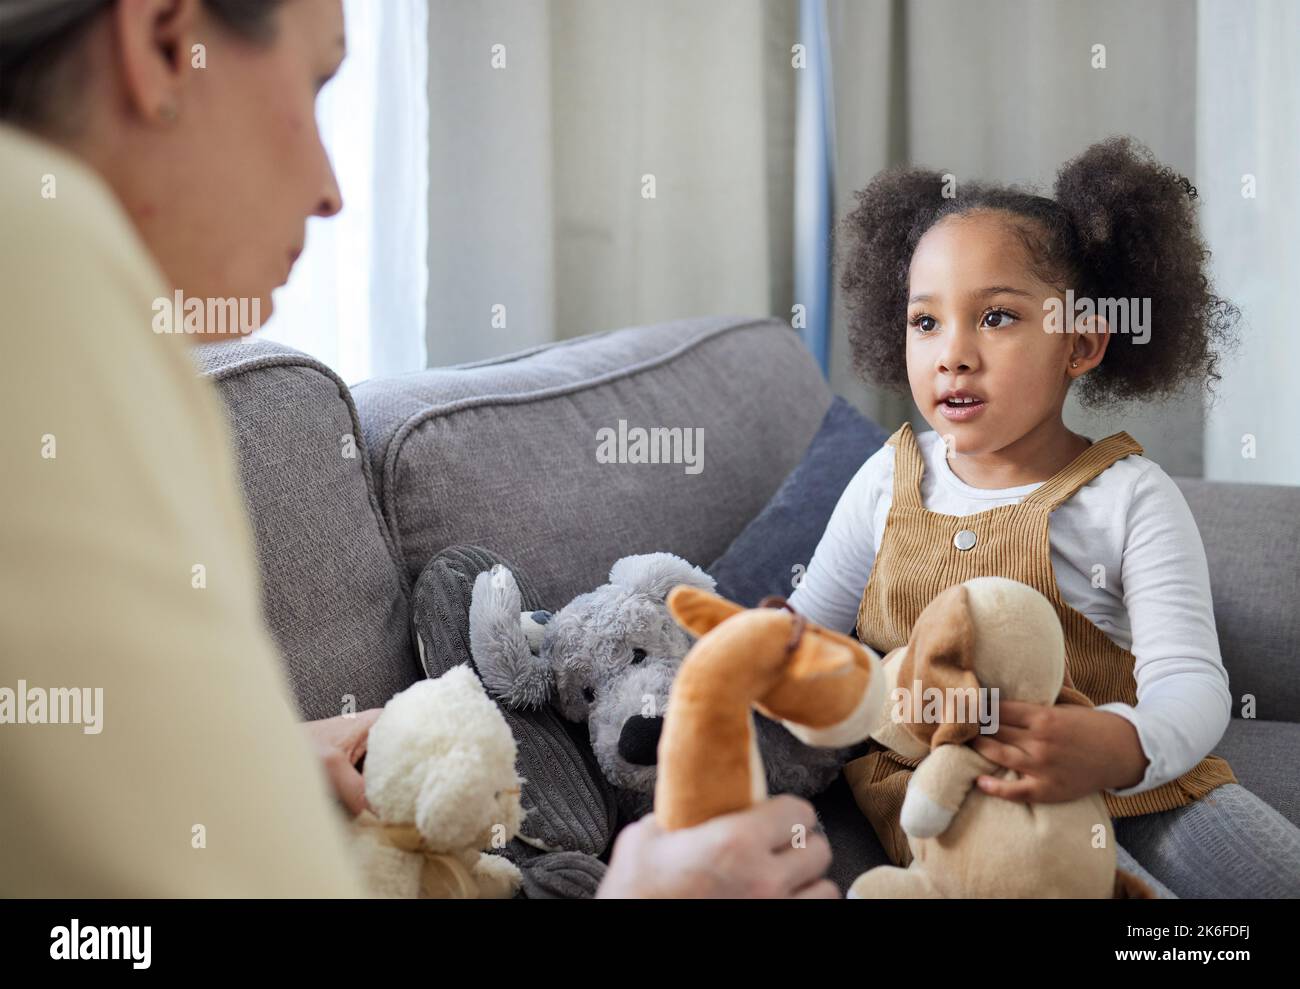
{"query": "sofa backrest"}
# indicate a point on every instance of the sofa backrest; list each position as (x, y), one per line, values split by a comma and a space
(508, 453)
(502, 453)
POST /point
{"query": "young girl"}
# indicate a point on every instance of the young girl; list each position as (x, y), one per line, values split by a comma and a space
(986, 304)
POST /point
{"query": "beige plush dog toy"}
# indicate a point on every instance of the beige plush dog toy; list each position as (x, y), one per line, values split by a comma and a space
(831, 690)
(975, 644)
(440, 776)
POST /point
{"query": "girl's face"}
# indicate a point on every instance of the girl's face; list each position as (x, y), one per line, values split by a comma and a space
(975, 318)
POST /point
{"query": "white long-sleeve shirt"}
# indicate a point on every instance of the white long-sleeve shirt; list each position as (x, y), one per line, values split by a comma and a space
(1132, 522)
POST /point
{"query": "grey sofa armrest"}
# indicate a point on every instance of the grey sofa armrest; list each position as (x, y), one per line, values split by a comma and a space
(1250, 533)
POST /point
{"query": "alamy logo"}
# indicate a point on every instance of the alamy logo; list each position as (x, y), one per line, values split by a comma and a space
(77, 943)
(935, 706)
(53, 706)
(1121, 315)
(218, 317)
(656, 445)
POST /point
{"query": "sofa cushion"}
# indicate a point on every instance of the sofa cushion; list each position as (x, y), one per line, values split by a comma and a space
(762, 559)
(1249, 536)
(504, 453)
(335, 598)
(1264, 755)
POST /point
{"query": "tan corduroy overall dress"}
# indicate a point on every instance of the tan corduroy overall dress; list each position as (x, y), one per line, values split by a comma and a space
(923, 552)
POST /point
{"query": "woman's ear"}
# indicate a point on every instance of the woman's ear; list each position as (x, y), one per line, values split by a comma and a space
(153, 40)
(698, 611)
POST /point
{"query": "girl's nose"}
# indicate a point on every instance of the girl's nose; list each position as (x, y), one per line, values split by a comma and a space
(956, 356)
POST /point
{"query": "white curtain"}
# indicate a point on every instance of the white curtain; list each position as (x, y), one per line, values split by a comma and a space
(357, 296)
(547, 118)
(1248, 146)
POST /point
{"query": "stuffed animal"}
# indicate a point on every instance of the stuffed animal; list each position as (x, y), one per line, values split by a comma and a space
(1002, 639)
(440, 777)
(609, 658)
(823, 686)
(986, 633)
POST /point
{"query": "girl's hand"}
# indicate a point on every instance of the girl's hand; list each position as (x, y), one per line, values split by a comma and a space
(1062, 752)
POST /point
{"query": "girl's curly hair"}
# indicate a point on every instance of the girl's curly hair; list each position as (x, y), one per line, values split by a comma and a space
(1120, 225)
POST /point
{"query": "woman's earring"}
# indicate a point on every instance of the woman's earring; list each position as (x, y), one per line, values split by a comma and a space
(1074, 363)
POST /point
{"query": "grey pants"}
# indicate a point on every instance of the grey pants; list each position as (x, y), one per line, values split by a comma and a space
(1229, 844)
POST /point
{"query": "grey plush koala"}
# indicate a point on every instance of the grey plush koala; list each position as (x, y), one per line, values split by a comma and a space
(608, 658)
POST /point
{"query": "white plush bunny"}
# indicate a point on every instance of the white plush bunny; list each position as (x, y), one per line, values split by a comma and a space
(440, 777)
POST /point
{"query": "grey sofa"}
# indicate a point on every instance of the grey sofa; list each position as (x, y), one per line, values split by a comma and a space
(351, 493)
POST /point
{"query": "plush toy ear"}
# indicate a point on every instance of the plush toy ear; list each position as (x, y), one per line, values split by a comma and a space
(941, 654)
(699, 611)
(501, 650)
(656, 574)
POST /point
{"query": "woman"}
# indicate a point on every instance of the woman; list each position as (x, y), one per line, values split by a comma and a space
(149, 147)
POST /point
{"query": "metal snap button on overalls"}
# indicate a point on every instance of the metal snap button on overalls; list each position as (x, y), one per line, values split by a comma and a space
(964, 540)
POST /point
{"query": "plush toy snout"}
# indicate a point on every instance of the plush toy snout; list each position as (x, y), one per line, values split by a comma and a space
(638, 742)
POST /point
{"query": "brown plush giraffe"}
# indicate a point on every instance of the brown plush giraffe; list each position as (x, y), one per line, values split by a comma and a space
(827, 688)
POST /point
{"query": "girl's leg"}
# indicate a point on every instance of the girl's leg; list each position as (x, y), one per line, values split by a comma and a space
(1133, 867)
(1228, 844)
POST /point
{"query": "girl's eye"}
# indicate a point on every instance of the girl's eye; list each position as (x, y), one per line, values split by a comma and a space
(638, 655)
(1000, 318)
(923, 322)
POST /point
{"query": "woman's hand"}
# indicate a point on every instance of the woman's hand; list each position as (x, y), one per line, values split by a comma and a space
(773, 849)
(1062, 752)
(340, 743)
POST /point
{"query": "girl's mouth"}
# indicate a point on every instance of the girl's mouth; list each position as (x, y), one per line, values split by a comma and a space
(961, 409)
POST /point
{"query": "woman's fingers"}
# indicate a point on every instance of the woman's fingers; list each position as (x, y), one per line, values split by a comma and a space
(803, 864)
(783, 818)
(823, 889)
(348, 784)
(361, 732)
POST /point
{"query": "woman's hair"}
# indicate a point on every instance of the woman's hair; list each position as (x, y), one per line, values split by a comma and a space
(1120, 225)
(38, 78)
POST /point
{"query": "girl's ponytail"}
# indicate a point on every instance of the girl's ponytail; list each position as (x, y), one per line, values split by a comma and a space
(1136, 239)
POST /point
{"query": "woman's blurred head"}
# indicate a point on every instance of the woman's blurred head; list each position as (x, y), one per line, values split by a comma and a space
(200, 114)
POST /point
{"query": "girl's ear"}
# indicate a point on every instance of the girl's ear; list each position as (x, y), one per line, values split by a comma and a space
(1091, 336)
(698, 610)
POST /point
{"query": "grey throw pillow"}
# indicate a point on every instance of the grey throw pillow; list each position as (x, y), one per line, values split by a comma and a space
(764, 558)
